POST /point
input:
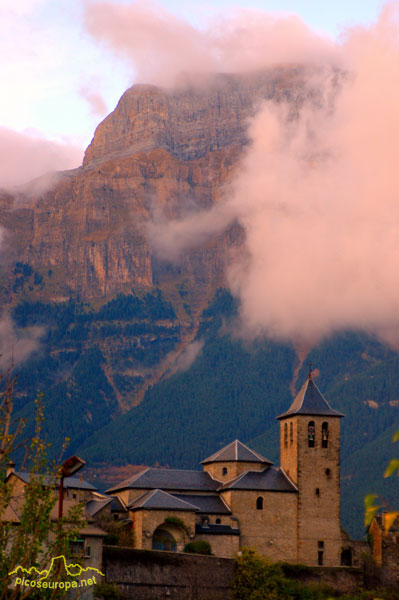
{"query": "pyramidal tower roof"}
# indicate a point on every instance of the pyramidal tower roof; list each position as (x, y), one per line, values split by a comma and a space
(310, 401)
(236, 451)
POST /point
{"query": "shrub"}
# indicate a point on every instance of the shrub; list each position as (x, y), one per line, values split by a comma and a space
(107, 591)
(198, 547)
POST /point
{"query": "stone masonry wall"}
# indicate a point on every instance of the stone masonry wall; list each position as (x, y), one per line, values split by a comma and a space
(233, 469)
(142, 575)
(272, 530)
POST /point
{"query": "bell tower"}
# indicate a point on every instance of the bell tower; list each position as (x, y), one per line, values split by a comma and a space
(310, 455)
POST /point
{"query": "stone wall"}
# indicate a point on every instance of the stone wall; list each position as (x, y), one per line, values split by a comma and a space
(152, 575)
(316, 472)
(233, 468)
(272, 530)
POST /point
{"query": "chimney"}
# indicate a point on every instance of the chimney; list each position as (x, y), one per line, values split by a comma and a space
(10, 468)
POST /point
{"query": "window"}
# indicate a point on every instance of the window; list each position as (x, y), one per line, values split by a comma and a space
(76, 547)
(328, 473)
(224, 471)
(259, 503)
(346, 557)
(291, 433)
(218, 521)
(324, 435)
(317, 491)
(205, 521)
(320, 553)
(311, 434)
(285, 435)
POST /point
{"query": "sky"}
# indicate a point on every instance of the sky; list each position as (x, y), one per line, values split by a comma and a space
(60, 81)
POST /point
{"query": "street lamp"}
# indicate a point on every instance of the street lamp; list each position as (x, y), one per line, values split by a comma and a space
(69, 467)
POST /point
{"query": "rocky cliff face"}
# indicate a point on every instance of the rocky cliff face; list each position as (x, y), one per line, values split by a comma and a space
(159, 148)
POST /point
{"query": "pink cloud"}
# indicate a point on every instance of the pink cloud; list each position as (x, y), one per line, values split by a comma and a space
(25, 156)
(160, 46)
(318, 198)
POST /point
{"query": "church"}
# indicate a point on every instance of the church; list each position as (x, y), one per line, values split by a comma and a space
(239, 499)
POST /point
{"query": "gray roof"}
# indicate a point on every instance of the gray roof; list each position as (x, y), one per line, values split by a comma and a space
(268, 480)
(237, 452)
(310, 401)
(206, 504)
(216, 529)
(168, 479)
(69, 482)
(94, 506)
(160, 500)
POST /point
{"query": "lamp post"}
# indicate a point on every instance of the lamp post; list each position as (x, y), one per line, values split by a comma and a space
(69, 467)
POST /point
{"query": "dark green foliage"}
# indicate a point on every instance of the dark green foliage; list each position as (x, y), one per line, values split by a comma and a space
(198, 547)
(229, 392)
(256, 578)
(123, 308)
(23, 268)
(107, 591)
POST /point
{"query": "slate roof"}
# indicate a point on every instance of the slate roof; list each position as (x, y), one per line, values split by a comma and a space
(168, 479)
(268, 480)
(310, 401)
(206, 504)
(160, 500)
(216, 529)
(69, 482)
(94, 506)
(237, 452)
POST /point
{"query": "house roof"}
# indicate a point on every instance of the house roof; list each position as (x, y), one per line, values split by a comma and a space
(69, 482)
(168, 479)
(213, 529)
(310, 401)
(237, 452)
(94, 506)
(160, 500)
(270, 479)
(206, 503)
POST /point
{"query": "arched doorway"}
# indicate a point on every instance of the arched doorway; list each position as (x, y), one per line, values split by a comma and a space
(163, 540)
(170, 537)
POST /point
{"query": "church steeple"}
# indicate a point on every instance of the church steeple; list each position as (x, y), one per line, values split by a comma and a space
(309, 451)
(310, 401)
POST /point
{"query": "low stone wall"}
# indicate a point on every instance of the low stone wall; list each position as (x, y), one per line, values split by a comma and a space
(342, 579)
(156, 575)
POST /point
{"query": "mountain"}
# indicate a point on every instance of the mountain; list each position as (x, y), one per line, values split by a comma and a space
(118, 324)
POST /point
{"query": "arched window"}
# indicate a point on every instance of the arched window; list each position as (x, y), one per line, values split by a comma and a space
(324, 435)
(311, 434)
(259, 503)
(224, 471)
(218, 521)
(291, 433)
(285, 435)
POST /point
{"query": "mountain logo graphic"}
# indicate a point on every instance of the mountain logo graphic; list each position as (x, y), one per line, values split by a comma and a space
(73, 570)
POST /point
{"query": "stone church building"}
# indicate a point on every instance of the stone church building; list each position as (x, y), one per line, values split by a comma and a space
(239, 499)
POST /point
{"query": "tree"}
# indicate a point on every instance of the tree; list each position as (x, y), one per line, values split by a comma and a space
(28, 537)
(371, 508)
